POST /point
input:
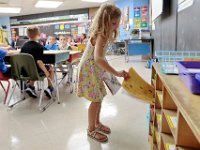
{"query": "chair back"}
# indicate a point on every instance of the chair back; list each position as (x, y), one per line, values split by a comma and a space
(74, 48)
(81, 47)
(24, 67)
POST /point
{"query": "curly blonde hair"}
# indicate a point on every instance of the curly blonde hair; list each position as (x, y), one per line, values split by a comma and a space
(102, 21)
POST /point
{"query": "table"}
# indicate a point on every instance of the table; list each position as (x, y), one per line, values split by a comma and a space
(74, 55)
(143, 40)
(50, 57)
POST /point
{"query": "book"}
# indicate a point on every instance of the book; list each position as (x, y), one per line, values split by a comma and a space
(111, 82)
(170, 146)
(172, 121)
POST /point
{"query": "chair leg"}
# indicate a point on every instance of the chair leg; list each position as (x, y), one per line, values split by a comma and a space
(41, 94)
(2, 86)
(11, 94)
(6, 92)
(22, 98)
(39, 86)
(56, 84)
(40, 101)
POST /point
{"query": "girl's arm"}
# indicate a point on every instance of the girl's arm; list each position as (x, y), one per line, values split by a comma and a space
(100, 59)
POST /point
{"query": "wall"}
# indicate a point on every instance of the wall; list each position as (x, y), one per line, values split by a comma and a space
(92, 12)
(6, 21)
(179, 31)
(131, 3)
(165, 33)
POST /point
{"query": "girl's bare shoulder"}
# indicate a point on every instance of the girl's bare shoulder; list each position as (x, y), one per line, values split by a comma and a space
(99, 39)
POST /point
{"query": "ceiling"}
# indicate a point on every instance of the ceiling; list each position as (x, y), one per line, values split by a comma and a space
(28, 6)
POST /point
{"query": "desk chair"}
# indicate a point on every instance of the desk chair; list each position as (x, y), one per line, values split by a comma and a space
(74, 48)
(24, 69)
(6, 90)
(81, 47)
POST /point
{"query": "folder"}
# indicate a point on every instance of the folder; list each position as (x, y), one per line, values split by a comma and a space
(139, 88)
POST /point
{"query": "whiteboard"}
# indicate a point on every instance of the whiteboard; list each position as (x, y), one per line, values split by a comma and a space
(157, 8)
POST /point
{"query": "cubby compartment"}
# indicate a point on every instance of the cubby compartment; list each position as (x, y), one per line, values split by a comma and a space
(185, 136)
(159, 97)
(171, 118)
(167, 142)
(168, 102)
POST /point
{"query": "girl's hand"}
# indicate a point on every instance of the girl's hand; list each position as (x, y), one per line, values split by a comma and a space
(123, 74)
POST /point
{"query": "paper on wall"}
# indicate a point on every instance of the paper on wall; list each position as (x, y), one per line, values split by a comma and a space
(81, 30)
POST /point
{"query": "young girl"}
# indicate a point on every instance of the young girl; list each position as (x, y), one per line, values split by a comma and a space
(93, 65)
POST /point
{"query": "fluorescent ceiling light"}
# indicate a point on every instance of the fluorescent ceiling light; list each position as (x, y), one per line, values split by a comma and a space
(95, 1)
(48, 4)
(10, 10)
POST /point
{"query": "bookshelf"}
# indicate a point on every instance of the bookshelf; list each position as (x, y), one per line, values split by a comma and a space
(175, 116)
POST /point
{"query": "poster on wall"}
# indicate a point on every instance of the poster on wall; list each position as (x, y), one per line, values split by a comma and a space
(125, 17)
(141, 17)
(137, 23)
(74, 30)
(137, 16)
(1, 36)
(81, 30)
(144, 17)
(137, 12)
(5, 36)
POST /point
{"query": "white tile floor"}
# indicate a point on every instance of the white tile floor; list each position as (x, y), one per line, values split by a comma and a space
(63, 127)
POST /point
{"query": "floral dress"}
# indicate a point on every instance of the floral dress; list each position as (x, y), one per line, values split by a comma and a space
(90, 82)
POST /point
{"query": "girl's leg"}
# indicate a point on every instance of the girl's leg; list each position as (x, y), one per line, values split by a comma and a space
(98, 123)
(92, 117)
(98, 116)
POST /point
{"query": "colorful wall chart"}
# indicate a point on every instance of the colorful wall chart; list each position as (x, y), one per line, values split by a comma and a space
(141, 17)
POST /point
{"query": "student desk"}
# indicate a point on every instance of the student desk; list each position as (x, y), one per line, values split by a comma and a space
(139, 46)
(175, 120)
(74, 55)
(50, 57)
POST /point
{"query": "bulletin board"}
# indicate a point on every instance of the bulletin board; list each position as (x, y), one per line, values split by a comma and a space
(125, 17)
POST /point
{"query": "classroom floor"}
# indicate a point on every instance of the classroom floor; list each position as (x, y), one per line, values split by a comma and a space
(63, 127)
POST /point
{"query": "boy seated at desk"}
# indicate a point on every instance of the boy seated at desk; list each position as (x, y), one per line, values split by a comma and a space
(51, 43)
(63, 43)
(64, 46)
(3, 68)
(35, 49)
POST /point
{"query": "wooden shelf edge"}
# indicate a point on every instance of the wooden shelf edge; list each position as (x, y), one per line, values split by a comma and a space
(182, 148)
(153, 83)
(174, 114)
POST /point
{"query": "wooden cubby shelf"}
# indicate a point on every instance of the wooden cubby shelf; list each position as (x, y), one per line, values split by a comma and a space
(171, 117)
(175, 119)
